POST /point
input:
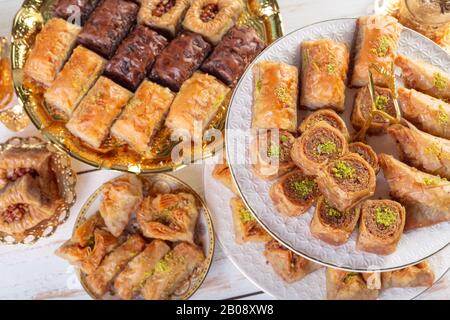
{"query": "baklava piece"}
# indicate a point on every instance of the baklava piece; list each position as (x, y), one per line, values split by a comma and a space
(108, 25)
(121, 198)
(51, 49)
(163, 15)
(346, 181)
(222, 173)
(366, 152)
(72, 9)
(362, 108)
(77, 77)
(143, 116)
(376, 43)
(275, 91)
(171, 217)
(233, 54)
(331, 225)
(95, 114)
(327, 115)
(343, 285)
(179, 60)
(318, 145)
(294, 193)
(324, 74)
(212, 18)
(196, 104)
(381, 226)
(289, 266)
(135, 57)
(419, 275)
(246, 227)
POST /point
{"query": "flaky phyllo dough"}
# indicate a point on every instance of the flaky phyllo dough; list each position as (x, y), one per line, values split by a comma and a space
(342, 285)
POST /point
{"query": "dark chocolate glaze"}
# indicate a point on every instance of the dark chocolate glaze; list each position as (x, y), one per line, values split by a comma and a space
(64, 9)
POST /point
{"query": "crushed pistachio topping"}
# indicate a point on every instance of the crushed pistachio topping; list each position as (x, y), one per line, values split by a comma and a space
(304, 187)
(349, 275)
(385, 216)
(343, 170)
(332, 212)
(381, 102)
(433, 181)
(282, 94)
(331, 68)
(382, 47)
(433, 149)
(259, 85)
(284, 138)
(439, 82)
(274, 151)
(246, 215)
(442, 116)
(162, 266)
(327, 147)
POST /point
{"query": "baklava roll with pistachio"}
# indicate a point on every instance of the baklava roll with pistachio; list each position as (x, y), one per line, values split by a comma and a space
(324, 74)
(327, 115)
(381, 226)
(366, 152)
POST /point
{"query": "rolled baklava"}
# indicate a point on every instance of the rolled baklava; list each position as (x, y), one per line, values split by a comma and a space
(233, 54)
(197, 103)
(275, 90)
(318, 145)
(179, 60)
(72, 9)
(108, 25)
(331, 225)
(362, 107)
(294, 193)
(347, 181)
(51, 49)
(419, 275)
(366, 152)
(324, 74)
(94, 116)
(343, 285)
(376, 43)
(381, 227)
(327, 115)
(77, 77)
(425, 112)
(212, 18)
(424, 77)
(143, 116)
(135, 57)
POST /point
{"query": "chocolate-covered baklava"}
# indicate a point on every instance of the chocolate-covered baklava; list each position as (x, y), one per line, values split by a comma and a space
(72, 9)
(327, 115)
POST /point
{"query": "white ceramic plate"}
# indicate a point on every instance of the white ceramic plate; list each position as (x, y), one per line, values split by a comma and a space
(249, 258)
(413, 247)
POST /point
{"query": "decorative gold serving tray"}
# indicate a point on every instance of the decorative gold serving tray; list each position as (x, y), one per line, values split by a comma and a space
(262, 15)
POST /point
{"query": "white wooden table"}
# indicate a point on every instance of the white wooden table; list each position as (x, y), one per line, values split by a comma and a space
(34, 272)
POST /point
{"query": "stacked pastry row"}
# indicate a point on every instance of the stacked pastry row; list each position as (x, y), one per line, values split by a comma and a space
(139, 244)
(292, 268)
(125, 47)
(322, 167)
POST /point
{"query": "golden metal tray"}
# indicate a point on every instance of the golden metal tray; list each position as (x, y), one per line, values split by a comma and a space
(262, 15)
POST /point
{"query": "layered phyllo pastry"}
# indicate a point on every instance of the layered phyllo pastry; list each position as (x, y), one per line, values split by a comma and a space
(74, 9)
(381, 226)
(343, 285)
(44, 61)
(327, 115)
(84, 232)
(95, 114)
(222, 173)
(212, 18)
(294, 193)
(275, 90)
(425, 112)
(346, 181)
(169, 217)
(317, 146)
(172, 271)
(246, 227)
(376, 43)
(362, 108)
(129, 282)
(419, 275)
(100, 280)
(135, 57)
(77, 77)
(324, 74)
(196, 104)
(233, 54)
(121, 198)
(289, 266)
(366, 152)
(331, 225)
(422, 150)
(143, 116)
(424, 77)
(179, 60)
(271, 153)
(163, 15)
(424, 196)
(108, 25)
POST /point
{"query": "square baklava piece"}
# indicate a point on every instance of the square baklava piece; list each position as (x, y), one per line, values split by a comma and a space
(74, 9)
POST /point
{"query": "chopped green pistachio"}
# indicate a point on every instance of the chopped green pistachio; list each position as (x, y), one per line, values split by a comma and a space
(331, 68)
(332, 212)
(259, 85)
(284, 138)
(381, 102)
(327, 147)
(162, 266)
(385, 216)
(433, 149)
(246, 215)
(304, 187)
(343, 170)
(274, 151)
(282, 94)
(350, 275)
(382, 47)
(442, 116)
(439, 82)
(433, 181)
